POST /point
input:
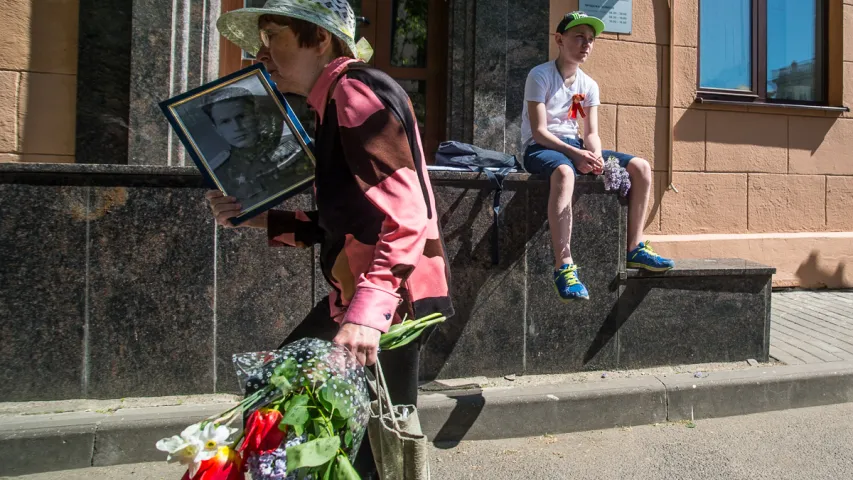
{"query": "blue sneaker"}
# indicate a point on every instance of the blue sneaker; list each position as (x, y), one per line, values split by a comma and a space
(644, 257)
(568, 286)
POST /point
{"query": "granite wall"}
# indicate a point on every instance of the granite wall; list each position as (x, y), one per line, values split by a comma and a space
(118, 283)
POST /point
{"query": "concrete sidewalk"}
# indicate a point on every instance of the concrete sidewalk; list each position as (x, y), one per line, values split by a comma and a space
(812, 326)
(809, 443)
(811, 330)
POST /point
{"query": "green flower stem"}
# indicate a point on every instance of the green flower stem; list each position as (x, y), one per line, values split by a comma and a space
(242, 405)
(404, 333)
(326, 421)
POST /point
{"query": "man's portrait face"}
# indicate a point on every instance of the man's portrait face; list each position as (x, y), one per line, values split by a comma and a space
(236, 121)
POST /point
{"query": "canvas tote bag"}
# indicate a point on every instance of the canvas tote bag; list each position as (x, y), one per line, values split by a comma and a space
(400, 448)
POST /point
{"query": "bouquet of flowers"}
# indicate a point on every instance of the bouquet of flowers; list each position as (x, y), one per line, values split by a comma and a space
(615, 177)
(305, 411)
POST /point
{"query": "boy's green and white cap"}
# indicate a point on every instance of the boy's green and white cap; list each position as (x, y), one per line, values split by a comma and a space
(574, 19)
(241, 26)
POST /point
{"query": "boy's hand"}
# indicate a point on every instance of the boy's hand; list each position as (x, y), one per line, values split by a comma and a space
(586, 162)
(361, 340)
(225, 208)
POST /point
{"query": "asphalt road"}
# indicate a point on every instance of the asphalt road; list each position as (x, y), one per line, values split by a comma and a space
(805, 444)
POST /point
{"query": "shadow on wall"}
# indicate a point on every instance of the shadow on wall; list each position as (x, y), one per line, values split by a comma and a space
(812, 138)
(814, 275)
(103, 79)
(476, 284)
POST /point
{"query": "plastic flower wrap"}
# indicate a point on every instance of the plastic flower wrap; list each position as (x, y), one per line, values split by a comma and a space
(321, 389)
(616, 178)
(304, 414)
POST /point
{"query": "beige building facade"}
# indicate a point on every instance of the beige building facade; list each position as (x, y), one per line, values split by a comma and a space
(38, 80)
(765, 183)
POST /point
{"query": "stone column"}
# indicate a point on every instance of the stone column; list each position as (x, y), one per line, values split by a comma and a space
(490, 52)
(493, 45)
(460, 81)
(528, 34)
(174, 47)
(134, 54)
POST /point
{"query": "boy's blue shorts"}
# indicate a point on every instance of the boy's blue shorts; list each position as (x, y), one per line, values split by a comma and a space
(542, 161)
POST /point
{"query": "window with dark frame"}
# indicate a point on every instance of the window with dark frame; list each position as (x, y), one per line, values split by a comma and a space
(763, 51)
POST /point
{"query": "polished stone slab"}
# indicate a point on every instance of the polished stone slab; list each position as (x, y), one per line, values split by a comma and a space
(151, 280)
(704, 267)
(569, 337)
(695, 319)
(43, 293)
(486, 335)
(103, 81)
(525, 50)
(262, 293)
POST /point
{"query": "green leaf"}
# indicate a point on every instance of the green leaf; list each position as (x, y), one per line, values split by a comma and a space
(338, 422)
(297, 401)
(348, 439)
(312, 454)
(282, 384)
(297, 417)
(288, 368)
(321, 426)
(344, 469)
(335, 395)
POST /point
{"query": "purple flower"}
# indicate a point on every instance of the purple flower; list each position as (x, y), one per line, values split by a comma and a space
(615, 177)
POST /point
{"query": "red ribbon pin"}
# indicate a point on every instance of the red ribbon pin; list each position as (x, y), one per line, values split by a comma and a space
(576, 106)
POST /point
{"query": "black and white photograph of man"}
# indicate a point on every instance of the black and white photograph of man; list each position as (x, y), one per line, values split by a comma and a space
(241, 133)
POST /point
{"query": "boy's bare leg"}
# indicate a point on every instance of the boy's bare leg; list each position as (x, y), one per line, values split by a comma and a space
(640, 174)
(560, 214)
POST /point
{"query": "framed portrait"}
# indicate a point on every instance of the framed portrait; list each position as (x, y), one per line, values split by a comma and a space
(245, 139)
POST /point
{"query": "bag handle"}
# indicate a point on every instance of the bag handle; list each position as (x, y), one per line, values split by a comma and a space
(383, 399)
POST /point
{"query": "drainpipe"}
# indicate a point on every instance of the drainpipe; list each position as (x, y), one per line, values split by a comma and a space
(671, 92)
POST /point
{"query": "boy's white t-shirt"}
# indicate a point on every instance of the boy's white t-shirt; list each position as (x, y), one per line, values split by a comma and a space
(546, 85)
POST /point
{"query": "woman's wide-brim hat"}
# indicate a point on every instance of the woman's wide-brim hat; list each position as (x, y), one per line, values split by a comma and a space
(241, 26)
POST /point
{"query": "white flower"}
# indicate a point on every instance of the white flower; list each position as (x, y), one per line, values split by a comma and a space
(184, 448)
(196, 443)
(213, 437)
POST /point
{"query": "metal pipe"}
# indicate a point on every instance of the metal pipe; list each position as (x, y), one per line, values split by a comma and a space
(671, 136)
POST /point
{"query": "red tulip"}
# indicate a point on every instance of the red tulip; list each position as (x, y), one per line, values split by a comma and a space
(262, 432)
(226, 465)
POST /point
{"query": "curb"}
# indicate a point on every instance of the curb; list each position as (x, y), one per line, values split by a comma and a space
(76, 440)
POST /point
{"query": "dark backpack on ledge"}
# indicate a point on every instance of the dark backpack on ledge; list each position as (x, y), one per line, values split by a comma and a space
(496, 166)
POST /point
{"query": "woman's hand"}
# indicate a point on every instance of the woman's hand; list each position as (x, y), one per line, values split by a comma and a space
(362, 341)
(225, 208)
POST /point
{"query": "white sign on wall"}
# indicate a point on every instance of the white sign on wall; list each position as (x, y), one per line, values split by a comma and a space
(616, 14)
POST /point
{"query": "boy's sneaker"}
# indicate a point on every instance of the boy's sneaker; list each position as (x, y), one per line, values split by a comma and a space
(644, 257)
(568, 286)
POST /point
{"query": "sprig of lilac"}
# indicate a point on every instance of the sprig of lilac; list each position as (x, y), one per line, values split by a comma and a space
(616, 178)
(272, 465)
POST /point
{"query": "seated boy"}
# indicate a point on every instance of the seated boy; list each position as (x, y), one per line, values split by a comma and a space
(552, 148)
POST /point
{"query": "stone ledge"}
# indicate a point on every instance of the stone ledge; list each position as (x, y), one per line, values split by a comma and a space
(705, 267)
(115, 175)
